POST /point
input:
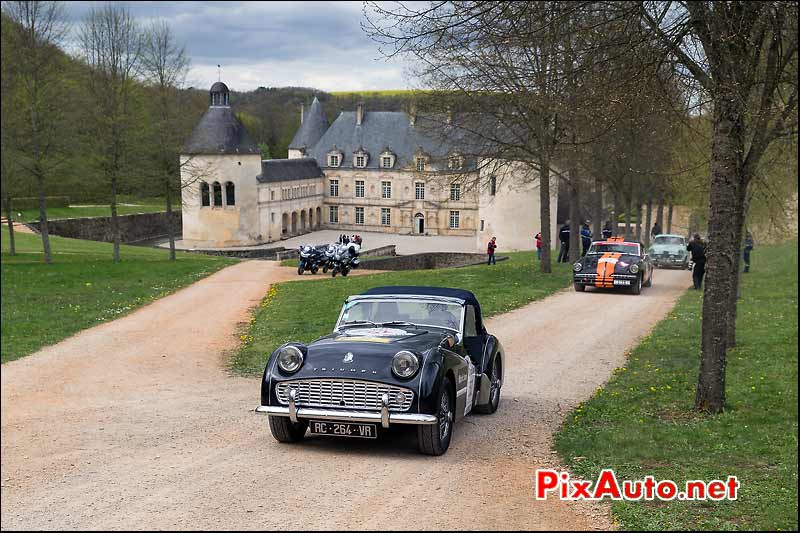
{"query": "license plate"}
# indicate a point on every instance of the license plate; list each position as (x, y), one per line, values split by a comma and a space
(344, 429)
(622, 282)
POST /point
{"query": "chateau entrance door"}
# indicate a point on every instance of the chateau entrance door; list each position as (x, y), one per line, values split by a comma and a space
(419, 223)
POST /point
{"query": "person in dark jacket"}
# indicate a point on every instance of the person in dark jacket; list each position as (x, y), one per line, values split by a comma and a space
(748, 247)
(490, 251)
(607, 230)
(656, 230)
(563, 236)
(697, 247)
(586, 238)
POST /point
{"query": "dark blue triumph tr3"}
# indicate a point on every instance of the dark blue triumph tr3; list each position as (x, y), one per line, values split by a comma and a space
(398, 355)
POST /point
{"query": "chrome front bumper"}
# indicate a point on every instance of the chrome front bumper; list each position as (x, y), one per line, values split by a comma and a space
(384, 416)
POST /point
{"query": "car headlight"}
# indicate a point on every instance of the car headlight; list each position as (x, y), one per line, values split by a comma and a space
(577, 267)
(290, 359)
(405, 364)
(634, 268)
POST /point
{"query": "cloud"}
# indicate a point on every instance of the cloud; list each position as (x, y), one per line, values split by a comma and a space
(273, 44)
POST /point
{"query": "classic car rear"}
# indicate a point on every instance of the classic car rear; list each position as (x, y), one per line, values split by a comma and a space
(613, 263)
(397, 356)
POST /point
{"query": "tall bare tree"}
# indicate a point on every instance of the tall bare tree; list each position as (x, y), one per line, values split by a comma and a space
(40, 27)
(165, 64)
(112, 43)
(743, 56)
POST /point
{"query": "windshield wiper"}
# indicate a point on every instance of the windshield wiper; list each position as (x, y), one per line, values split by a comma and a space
(398, 323)
(359, 323)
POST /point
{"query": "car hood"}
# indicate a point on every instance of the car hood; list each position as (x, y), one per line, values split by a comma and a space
(618, 262)
(365, 353)
(676, 249)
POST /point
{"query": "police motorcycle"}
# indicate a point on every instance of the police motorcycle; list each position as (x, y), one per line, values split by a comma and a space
(345, 258)
(310, 259)
(327, 260)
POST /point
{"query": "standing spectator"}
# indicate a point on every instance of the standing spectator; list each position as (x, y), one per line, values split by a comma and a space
(586, 238)
(490, 250)
(607, 230)
(697, 247)
(748, 247)
(538, 238)
(563, 236)
(656, 230)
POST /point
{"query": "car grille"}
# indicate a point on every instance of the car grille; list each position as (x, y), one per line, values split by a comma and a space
(345, 393)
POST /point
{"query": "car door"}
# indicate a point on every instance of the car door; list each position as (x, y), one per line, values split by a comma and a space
(474, 339)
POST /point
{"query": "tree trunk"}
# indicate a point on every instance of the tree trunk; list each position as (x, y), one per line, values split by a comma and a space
(738, 267)
(615, 215)
(170, 228)
(544, 213)
(12, 250)
(660, 214)
(574, 220)
(725, 208)
(628, 215)
(114, 219)
(648, 223)
(43, 230)
(597, 211)
(669, 218)
(638, 220)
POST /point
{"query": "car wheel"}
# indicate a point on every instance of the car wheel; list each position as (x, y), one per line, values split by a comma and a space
(579, 287)
(637, 286)
(496, 383)
(284, 430)
(434, 439)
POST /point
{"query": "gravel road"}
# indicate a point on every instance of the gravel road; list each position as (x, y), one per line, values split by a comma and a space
(136, 424)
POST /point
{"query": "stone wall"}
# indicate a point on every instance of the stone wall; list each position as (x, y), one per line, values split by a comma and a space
(427, 261)
(132, 228)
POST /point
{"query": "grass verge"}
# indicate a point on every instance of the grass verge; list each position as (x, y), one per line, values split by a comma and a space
(43, 304)
(126, 206)
(305, 310)
(642, 423)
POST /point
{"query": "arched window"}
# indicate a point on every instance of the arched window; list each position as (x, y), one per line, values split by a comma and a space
(205, 194)
(217, 194)
(230, 194)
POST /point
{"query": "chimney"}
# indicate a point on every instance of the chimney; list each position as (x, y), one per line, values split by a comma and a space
(412, 114)
(359, 113)
(302, 112)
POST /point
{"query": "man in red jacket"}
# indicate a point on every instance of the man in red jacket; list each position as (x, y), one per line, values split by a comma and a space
(538, 238)
(490, 250)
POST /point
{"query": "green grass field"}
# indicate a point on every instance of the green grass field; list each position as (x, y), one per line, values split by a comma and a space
(305, 310)
(43, 304)
(642, 423)
(126, 206)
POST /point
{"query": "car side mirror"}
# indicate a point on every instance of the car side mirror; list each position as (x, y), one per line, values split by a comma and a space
(450, 341)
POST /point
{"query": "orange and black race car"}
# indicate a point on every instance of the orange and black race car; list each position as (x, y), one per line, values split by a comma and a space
(614, 263)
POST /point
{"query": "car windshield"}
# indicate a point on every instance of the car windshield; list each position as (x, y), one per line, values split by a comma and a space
(400, 312)
(669, 241)
(613, 247)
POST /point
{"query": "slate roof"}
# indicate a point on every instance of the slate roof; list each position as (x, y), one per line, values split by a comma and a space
(220, 132)
(391, 129)
(314, 125)
(303, 168)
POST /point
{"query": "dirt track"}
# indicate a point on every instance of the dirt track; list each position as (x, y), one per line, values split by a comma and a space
(135, 424)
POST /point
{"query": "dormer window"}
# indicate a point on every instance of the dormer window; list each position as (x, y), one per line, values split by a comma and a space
(455, 161)
(360, 158)
(387, 158)
(420, 164)
(335, 157)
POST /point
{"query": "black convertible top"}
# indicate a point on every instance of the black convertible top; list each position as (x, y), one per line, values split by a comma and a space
(461, 294)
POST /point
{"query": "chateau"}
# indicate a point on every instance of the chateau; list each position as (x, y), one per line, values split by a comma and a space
(367, 171)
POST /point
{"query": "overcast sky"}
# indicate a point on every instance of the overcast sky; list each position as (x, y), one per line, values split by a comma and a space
(272, 44)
